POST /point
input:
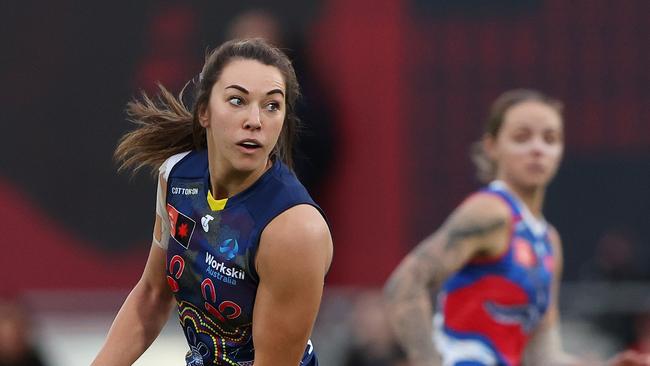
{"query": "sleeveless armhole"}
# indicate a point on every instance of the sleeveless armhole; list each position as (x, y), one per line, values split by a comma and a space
(161, 199)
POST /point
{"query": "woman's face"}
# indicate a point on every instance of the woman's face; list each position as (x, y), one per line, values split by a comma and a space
(245, 114)
(529, 146)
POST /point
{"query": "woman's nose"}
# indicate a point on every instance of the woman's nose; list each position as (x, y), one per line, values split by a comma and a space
(254, 119)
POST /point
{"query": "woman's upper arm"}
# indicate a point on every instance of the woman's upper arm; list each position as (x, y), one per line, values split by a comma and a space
(479, 226)
(294, 254)
(552, 315)
(545, 342)
(154, 275)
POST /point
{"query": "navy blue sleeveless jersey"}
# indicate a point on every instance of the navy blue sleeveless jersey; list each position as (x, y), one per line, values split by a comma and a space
(487, 311)
(211, 254)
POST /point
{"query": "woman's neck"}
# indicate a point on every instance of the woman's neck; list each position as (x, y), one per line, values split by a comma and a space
(532, 197)
(226, 182)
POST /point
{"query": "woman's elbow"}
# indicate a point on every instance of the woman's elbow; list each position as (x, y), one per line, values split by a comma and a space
(154, 296)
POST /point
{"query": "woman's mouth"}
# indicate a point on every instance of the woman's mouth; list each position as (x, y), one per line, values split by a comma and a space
(536, 168)
(249, 145)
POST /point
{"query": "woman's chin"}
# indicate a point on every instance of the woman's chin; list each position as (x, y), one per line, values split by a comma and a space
(249, 164)
(534, 183)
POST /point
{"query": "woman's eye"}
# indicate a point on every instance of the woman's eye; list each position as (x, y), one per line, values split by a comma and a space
(521, 137)
(273, 106)
(551, 139)
(237, 101)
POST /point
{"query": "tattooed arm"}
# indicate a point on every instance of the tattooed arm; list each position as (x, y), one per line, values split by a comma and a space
(479, 227)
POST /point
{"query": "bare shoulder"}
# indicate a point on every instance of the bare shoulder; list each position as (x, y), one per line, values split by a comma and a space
(299, 232)
(480, 224)
(484, 205)
(301, 223)
(556, 242)
(481, 213)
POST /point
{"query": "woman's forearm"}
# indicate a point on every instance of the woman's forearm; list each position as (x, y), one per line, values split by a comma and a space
(409, 305)
(143, 314)
(545, 348)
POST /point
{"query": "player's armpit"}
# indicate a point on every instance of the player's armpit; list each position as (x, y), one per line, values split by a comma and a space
(294, 254)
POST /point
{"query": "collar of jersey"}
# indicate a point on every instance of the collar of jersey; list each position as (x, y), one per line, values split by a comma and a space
(215, 204)
(219, 205)
(537, 226)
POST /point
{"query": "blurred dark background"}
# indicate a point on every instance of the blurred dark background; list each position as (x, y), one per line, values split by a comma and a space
(395, 92)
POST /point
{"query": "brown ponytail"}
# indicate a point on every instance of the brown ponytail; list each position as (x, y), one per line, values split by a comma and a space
(165, 127)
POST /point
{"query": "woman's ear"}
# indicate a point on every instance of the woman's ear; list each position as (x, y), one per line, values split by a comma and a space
(489, 146)
(204, 116)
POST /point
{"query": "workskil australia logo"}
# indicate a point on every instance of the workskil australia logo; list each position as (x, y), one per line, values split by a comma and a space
(222, 272)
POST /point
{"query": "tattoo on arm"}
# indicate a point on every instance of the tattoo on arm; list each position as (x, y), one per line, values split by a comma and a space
(425, 266)
(462, 231)
(408, 290)
(410, 307)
